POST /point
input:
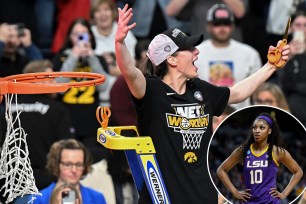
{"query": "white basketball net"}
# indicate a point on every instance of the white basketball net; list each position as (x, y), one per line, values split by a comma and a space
(192, 139)
(15, 166)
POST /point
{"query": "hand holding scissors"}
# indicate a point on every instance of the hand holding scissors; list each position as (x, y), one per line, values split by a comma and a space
(275, 56)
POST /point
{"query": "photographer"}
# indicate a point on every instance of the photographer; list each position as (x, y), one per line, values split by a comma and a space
(16, 49)
(69, 161)
(77, 55)
(65, 193)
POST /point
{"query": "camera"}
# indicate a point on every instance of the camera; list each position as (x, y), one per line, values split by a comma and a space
(83, 37)
(68, 197)
(20, 29)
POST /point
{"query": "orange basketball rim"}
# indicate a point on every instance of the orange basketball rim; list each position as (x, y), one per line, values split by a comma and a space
(29, 83)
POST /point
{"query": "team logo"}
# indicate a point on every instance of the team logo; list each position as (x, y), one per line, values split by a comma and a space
(112, 133)
(190, 157)
(102, 138)
(198, 95)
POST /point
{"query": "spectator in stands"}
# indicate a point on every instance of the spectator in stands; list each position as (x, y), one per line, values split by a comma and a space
(69, 160)
(292, 78)
(228, 61)
(104, 16)
(196, 10)
(77, 55)
(270, 94)
(16, 49)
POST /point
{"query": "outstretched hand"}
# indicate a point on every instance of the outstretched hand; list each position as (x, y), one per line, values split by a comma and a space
(125, 16)
(243, 195)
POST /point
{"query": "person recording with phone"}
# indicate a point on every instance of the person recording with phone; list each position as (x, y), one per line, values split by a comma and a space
(16, 49)
(69, 161)
(77, 55)
(65, 194)
(291, 78)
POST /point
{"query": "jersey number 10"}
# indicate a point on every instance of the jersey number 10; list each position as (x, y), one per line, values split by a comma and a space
(256, 176)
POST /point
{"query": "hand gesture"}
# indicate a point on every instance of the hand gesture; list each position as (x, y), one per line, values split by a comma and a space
(26, 38)
(274, 193)
(243, 195)
(125, 16)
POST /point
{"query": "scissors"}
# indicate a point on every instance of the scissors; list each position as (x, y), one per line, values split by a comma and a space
(275, 56)
(103, 114)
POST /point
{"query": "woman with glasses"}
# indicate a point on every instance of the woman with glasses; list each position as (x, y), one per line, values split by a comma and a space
(69, 161)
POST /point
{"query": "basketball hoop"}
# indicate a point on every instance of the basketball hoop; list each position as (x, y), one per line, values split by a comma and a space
(15, 166)
(24, 83)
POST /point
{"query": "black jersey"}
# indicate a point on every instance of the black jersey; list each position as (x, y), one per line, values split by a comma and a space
(181, 128)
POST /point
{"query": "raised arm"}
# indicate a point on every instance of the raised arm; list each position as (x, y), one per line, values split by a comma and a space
(227, 165)
(286, 159)
(133, 76)
(245, 88)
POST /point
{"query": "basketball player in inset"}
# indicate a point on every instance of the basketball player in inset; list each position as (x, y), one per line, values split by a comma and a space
(261, 156)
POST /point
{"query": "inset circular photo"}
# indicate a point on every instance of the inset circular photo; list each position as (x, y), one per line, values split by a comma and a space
(258, 155)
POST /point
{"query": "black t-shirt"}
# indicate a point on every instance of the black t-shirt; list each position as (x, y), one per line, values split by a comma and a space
(181, 128)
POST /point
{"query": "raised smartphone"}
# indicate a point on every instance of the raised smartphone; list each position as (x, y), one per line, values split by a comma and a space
(68, 197)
